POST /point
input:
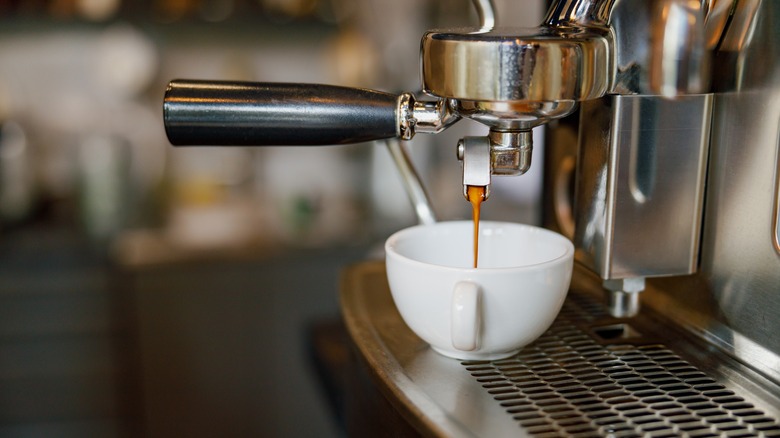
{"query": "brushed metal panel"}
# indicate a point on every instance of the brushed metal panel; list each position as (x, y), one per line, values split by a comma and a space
(734, 301)
(642, 184)
(740, 259)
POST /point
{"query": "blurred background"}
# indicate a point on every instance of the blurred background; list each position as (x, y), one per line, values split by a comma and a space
(153, 291)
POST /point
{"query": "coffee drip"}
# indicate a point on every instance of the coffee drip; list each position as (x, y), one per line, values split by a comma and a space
(475, 195)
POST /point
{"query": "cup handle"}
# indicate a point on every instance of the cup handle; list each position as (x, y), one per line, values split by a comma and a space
(465, 315)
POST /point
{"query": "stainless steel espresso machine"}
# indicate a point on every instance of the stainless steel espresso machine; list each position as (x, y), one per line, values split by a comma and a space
(669, 188)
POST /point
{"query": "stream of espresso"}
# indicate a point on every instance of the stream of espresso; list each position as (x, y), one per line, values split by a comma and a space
(475, 195)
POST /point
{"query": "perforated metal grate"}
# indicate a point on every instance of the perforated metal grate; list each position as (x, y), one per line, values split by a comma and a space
(568, 383)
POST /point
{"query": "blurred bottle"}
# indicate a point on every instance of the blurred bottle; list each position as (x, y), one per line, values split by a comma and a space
(17, 174)
(104, 194)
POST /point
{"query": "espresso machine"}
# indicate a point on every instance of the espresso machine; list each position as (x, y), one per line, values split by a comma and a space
(663, 119)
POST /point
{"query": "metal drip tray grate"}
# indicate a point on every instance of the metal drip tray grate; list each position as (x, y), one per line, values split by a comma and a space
(570, 382)
(588, 375)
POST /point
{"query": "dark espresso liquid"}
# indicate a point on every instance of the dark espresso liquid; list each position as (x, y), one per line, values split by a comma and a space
(475, 195)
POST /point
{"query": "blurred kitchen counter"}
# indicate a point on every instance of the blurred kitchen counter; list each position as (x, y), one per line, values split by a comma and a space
(65, 364)
(223, 340)
(181, 343)
(139, 249)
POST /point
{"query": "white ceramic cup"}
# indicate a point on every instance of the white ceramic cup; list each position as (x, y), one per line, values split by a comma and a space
(486, 313)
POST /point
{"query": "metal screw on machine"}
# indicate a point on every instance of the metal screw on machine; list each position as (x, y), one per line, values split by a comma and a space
(623, 296)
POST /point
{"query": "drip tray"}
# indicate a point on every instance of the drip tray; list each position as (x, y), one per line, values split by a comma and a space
(588, 375)
(569, 383)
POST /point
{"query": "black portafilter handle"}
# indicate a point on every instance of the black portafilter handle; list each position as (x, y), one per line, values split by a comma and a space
(267, 114)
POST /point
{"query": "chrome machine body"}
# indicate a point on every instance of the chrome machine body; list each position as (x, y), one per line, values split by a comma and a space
(678, 165)
(678, 171)
(740, 248)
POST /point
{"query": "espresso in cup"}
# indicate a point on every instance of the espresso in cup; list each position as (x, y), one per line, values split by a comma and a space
(483, 313)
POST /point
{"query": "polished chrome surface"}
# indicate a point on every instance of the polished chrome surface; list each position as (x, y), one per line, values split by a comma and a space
(623, 296)
(404, 116)
(476, 162)
(732, 301)
(622, 304)
(740, 260)
(432, 117)
(579, 12)
(486, 12)
(640, 184)
(660, 46)
(679, 61)
(412, 182)
(588, 375)
(731, 62)
(511, 64)
(510, 152)
(504, 153)
(511, 116)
